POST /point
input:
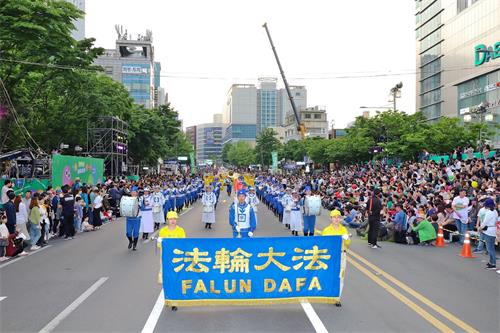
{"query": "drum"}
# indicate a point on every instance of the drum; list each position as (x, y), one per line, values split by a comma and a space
(129, 206)
(312, 205)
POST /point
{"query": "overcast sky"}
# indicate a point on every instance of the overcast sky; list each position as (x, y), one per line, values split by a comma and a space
(204, 46)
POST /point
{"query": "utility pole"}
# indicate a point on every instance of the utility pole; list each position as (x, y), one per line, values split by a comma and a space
(396, 93)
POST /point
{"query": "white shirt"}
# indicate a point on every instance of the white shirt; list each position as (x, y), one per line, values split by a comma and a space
(98, 201)
(5, 189)
(490, 220)
(461, 213)
(22, 215)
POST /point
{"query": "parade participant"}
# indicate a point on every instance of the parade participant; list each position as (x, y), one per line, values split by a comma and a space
(172, 230)
(158, 213)
(179, 199)
(166, 201)
(287, 201)
(133, 227)
(172, 197)
(296, 214)
(337, 229)
(229, 186)
(242, 217)
(146, 212)
(309, 214)
(208, 200)
(253, 201)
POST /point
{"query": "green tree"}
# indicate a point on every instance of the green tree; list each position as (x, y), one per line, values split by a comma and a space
(267, 142)
(294, 150)
(225, 152)
(241, 154)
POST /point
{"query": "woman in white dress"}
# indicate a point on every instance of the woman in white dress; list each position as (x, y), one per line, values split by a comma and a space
(208, 200)
(296, 215)
(158, 213)
(146, 213)
(287, 201)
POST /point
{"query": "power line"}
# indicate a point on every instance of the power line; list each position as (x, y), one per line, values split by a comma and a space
(328, 76)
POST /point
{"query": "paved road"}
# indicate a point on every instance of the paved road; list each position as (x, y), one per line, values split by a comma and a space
(94, 284)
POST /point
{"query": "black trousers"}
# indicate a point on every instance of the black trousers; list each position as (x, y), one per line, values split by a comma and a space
(69, 228)
(373, 229)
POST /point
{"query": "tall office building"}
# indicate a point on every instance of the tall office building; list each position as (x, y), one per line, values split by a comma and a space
(132, 63)
(209, 141)
(267, 104)
(79, 32)
(458, 59)
(217, 118)
(240, 113)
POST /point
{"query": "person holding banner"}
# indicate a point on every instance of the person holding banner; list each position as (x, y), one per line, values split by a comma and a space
(172, 230)
(208, 201)
(242, 217)
(337, 229)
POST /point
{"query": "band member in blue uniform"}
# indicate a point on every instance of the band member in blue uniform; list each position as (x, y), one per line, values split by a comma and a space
(253, 201)
(133, 225)
(158, 202)
(242, 217)
(146, 212)
(208, 200)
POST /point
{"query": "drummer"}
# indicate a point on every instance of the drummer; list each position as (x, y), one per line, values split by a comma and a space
(133, 225)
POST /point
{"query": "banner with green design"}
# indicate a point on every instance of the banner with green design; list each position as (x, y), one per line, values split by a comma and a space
(65, 169)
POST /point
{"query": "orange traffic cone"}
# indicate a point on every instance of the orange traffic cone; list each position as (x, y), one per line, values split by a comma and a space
(466, 251)
(440, 238)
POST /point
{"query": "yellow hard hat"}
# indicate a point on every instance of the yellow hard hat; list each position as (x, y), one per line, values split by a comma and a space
(172, 215)
(335, 213)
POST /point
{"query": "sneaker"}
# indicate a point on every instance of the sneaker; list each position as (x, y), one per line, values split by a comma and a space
(24, 253)
(376, 247)
(3, 259)
(35, 247)
(490, 267)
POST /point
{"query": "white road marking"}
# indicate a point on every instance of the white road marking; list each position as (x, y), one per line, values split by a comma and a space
(2, 298)
(66, 312)
(318, 325)
(150, 325)
(22, 257)
(153, 235)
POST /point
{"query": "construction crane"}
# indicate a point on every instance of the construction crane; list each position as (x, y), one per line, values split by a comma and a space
(301, 128)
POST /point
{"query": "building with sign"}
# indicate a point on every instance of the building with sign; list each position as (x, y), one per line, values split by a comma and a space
(458, 59)
(209, 141)
(132, 64)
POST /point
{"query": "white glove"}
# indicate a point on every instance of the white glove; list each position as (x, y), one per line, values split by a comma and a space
(345, 237)
(237, 228)
(250, 234)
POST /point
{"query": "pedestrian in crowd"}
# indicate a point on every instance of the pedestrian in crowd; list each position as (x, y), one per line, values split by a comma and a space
(242, 217)
(10, 211)
(488, 229)
(44, 221)
(97, 209)
(7, 186)
(67, 204)
(79, 204)
(423, 232)
(35, 218)
(460, 207)
(208, 200)
(374, 207)
(400, 225)
(172, 230)
(22, 215)
(4, 239)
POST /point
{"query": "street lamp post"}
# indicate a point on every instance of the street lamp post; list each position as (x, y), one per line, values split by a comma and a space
(480, 112)
(396, 93)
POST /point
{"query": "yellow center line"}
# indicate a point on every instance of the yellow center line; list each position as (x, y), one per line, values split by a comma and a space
(424, 314)
(420, 297)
